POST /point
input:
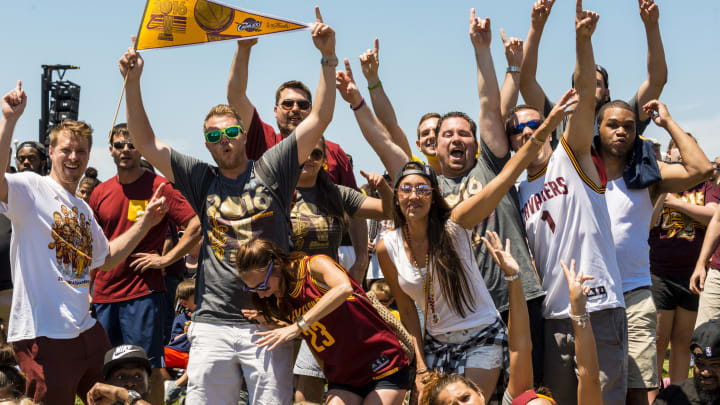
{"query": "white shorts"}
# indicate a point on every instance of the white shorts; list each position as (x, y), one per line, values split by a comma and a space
(221, 355)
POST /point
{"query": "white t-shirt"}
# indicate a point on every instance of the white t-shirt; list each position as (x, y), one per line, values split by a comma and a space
(55, 242)
(566, 217)
(630, 214)
(411, 282)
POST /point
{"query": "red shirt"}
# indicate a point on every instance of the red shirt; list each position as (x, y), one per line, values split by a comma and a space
(261, 137)
(355, 345)
(116, 206)
(676, 241)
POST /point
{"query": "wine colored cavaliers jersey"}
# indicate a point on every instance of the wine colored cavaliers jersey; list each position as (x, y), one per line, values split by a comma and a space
(566, 217)
(353, 343)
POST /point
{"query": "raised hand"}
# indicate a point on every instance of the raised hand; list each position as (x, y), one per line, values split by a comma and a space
(502, 257)
(370, 62)
(564, 106)
(346, 85)
(13, 103)
(540, 13)
(649, 11)
(585, 21)
(131, 63)
(480, 34)
(513, 49)
(323, 36)
(157, 207)
(247, 43)
(578, 291)
(374, 180)
(658, 112)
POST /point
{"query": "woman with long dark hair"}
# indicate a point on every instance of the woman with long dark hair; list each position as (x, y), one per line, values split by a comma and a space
(428, 259)
(362, 358)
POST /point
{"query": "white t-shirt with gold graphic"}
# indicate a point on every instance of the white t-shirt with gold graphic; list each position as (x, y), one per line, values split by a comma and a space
(55, 242)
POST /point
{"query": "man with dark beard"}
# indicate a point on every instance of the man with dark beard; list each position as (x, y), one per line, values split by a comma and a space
(704, 387)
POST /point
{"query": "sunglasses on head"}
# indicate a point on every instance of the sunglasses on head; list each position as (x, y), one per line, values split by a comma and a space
(121, 145)
(288, 104)
(317, 154)
(420, 189)
(518, 128)
(230, 133)
(264, 285)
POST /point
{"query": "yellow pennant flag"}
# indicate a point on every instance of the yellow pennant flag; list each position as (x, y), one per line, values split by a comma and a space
(168, 23)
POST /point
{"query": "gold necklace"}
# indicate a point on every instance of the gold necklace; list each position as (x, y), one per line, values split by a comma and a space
(427, 282)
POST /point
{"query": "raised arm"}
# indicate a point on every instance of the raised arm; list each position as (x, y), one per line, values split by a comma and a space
(141, 132)
(712, 235)
(310, 130)
(377, 208)
(695, 166)
(490, 124)
(521, 367)
(370, 63)
(391, 155)
(121, 247)
(582, 123)
(475, 209)
(408, 311)
(511, 85)
(651, 88)
(532, 93)
(238, 80)
(13, 104)
(588, 391)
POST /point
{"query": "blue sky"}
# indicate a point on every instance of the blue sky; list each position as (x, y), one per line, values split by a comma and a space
(426, 61)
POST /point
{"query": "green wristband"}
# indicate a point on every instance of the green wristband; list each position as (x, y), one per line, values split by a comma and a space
(375, 86)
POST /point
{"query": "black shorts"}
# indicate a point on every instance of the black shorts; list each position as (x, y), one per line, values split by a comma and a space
(670, 292)
(396, 381)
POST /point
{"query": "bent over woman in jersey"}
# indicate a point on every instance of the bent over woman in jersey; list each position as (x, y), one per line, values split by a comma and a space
(362, 358)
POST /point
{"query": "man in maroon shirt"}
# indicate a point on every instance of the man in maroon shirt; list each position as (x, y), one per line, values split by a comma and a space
(129, 300)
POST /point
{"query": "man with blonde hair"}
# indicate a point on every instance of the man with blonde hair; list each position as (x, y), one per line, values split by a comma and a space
(56, 242)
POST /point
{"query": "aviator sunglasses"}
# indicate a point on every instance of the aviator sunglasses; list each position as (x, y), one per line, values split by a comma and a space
(288, 104)
(534, 124)
(230, 133)
(421, 189)
(121, 145)
(264, 285)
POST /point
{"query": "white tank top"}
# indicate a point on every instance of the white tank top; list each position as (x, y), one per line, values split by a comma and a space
(630, 214)
(566, 217)
(411, 282)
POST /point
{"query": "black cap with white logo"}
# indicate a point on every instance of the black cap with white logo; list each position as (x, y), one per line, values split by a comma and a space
(707, 338)
(125, 354)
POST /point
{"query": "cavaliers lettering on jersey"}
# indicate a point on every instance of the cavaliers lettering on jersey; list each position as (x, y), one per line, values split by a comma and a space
(354, 344)
(566, 218)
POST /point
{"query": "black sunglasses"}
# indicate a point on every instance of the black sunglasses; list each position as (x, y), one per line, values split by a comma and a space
(121, 145)
(288, 104)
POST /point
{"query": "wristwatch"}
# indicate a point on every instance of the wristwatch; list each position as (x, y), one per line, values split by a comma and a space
(300, 321)
(132, 397)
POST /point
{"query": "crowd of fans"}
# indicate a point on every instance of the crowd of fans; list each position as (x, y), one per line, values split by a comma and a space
(271, 278)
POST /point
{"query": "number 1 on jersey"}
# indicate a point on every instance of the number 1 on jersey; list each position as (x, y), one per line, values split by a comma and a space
(548, 218)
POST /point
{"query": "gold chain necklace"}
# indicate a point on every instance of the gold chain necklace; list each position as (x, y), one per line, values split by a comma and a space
(427, 282)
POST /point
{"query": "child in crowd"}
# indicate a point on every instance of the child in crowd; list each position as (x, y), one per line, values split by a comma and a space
(383, 293)
(178, 350)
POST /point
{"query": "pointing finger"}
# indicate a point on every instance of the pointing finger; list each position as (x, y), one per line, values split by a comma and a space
(377, 45)
(502, 35)
(19, 85)
(578, 6)
(318, 16)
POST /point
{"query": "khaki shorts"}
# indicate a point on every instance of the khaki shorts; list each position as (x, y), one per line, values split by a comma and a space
(709, 307)
(642, 351)
(610, 331)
